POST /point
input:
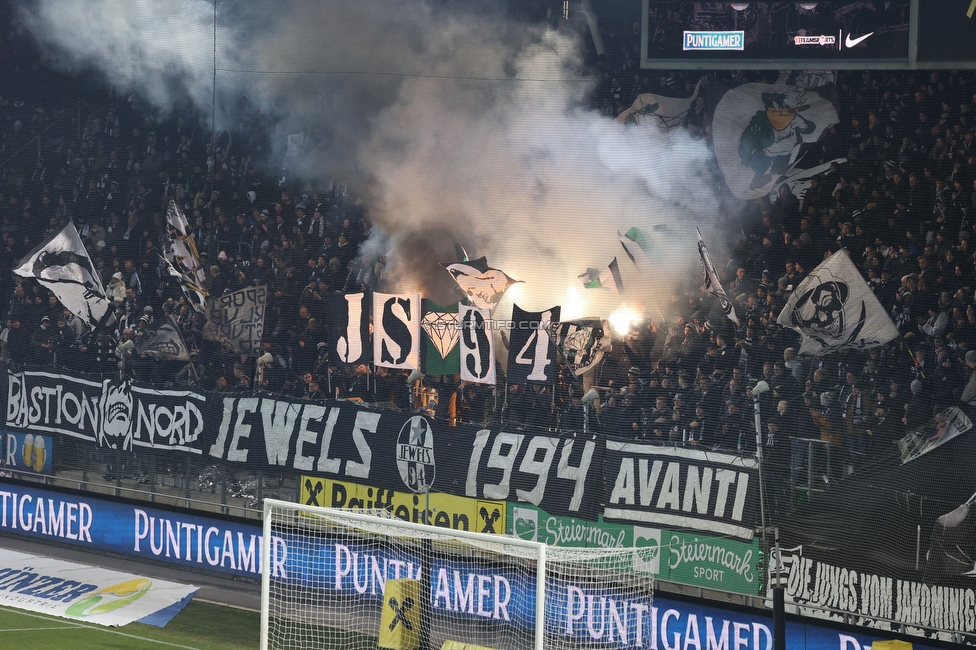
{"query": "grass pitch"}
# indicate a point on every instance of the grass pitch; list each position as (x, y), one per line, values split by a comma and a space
(199, 626)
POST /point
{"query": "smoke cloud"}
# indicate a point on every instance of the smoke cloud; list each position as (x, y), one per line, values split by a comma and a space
(454, 123)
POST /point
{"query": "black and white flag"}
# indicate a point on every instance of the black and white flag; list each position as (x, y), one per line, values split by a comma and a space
(396, 330)
(834, 309)
(582, 342)
(236, 320)
(163, 340)
(350, 320)
(477, 345)
(62, 265)
(531, 351)
(483, 285)
(713, 284)
(181, 248)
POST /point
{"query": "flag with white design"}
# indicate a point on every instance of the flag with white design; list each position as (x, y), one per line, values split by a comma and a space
(61, 263)
(195, 294)
(637, 244)
(483, 285)
(350, 328)
(942, 428)
(236, 320)
(163, 340)
(583, 342)
(441, 329)
(531, 350)
(477, 346)
(759, 131)
(834, 309)
(181, 247)
(608, 278)
(666, 113)
(396, 330)
(713, 284)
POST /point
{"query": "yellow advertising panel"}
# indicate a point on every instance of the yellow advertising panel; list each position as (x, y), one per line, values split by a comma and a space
(446, 511)
(400, 621)
(458, 645)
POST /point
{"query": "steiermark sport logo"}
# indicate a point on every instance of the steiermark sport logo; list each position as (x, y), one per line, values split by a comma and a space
(525, 523)
(647, 550)
(111, 598)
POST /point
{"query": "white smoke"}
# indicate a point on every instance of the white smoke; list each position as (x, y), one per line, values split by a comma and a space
(456, 127)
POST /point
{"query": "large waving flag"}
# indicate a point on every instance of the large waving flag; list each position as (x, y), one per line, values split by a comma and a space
(583, 342)
(62, 264)
(483, 285)
(163, 340)
(712, 283)
(665, 112)
(759, 130)
(834, 309)
(181, 249)
(637, 245)
(606, 279)
(236, 320)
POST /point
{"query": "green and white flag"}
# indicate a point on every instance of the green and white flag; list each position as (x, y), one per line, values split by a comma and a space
(665, 112)
(606, 279)
(637, 244)
(442, 331)
(713, 284)
(759, 130)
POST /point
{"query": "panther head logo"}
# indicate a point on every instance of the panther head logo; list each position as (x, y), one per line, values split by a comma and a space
(116, 430)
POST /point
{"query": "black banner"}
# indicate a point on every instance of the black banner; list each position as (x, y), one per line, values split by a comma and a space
(112, 414)
(331, 439)
(531, 352)
(685, 488)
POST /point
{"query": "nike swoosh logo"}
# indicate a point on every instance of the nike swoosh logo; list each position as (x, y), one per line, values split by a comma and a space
(851, 42)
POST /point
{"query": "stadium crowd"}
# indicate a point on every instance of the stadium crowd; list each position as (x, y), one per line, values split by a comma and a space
(900, 203)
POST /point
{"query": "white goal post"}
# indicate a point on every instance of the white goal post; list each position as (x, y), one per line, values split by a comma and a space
(341, 578)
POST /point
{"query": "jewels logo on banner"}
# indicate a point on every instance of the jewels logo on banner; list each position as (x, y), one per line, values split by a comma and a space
(350, 322)
(531, 351)
(441, 334)
(681, 488)
(396, 330)
(477, 346)
(236, 320)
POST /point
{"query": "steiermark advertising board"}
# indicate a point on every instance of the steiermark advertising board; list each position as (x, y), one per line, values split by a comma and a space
(699, 560)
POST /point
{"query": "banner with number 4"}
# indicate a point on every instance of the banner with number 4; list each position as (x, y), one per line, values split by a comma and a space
(531, 351)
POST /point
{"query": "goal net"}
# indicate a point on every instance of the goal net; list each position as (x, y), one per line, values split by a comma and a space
(345, 579)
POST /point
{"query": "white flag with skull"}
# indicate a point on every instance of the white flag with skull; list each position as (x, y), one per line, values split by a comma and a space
(834, 309)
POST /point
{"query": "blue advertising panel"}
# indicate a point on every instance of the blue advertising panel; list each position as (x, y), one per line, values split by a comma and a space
(180, 538)
(598, 615)
(27, 452)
